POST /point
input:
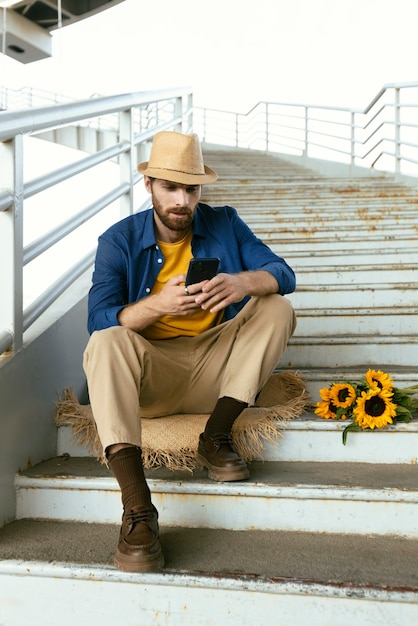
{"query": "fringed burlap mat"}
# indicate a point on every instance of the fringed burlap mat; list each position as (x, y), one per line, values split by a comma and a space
(171, 441)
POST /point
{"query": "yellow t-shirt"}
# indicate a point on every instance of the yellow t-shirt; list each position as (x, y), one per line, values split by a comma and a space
(177, 257)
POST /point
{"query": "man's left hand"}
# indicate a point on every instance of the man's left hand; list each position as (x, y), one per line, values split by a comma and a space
(224, 289)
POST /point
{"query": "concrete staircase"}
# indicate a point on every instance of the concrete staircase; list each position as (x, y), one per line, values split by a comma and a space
(321, 533)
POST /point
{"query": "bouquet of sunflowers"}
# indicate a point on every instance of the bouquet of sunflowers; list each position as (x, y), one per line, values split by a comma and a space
(372, 402)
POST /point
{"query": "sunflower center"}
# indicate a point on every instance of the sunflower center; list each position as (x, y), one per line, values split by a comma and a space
(343, 394)
(375, 406)
(332, 408)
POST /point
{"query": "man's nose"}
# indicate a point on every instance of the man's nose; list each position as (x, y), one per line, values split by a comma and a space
(182, 197)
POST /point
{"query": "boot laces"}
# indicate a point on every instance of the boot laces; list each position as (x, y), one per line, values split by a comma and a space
(135, 517)
(222, 439)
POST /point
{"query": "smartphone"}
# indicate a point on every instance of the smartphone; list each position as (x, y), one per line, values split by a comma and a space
(201, 269)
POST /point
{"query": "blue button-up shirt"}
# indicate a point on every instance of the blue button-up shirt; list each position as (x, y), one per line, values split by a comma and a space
(128, 260)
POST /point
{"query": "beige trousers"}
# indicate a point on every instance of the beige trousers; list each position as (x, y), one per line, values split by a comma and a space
(130, 377)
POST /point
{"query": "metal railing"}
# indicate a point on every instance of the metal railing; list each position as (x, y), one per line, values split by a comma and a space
(384, 135)
(134, 118)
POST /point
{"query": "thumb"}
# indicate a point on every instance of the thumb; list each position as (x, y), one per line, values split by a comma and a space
(176, 280)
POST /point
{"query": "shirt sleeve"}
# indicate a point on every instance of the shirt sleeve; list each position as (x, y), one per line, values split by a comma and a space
(256, 255)
(109, 293)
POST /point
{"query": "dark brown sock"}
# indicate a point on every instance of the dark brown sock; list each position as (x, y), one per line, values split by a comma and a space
(224, 415)
(128, 469)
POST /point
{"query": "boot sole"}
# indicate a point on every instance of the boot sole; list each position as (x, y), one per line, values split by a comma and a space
(223, 475)
(132, 564)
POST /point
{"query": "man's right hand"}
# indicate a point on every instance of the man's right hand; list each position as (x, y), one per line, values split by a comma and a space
(171, 300)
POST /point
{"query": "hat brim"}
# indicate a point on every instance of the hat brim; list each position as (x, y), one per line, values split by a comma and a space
(184, 178)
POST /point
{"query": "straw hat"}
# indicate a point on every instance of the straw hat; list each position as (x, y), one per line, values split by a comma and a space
(177, 158)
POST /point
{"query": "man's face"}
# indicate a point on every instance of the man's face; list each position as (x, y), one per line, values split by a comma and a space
(174, 207)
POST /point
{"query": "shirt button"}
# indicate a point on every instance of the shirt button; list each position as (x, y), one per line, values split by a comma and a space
(148, 290)
(159, 260)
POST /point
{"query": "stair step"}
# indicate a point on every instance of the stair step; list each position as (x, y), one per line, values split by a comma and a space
(348, 351)
(278, 496)
(312, 439)
(396, 321)
(348, 257)
(352, 296)
(361, 276)
(66, 570)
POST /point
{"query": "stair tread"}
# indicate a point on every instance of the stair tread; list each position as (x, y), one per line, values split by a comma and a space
(277, 474)
(388, 562)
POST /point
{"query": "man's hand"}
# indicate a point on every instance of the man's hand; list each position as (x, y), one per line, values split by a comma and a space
(171, 300)
(224, 289)
(213, 295)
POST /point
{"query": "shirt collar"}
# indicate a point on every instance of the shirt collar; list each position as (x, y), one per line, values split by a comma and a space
(149, 240)
(199, 228)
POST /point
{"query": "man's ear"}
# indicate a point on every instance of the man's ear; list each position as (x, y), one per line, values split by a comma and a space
(147, 183)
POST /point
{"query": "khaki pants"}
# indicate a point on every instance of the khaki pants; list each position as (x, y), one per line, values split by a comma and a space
(130, 377)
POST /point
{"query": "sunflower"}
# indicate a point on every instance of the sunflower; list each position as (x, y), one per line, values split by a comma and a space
(326, 408)
(374, 409)
(342, 395)
(378, 380)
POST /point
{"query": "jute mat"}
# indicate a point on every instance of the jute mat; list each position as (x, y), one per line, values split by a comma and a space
(171, 441)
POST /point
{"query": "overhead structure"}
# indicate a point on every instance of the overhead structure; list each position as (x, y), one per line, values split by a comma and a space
(25, 34)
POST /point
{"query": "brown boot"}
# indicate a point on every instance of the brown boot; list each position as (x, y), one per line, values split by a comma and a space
(139, 547)
(218, 455)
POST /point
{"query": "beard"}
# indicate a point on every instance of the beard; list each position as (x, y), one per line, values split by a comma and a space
(171, 222)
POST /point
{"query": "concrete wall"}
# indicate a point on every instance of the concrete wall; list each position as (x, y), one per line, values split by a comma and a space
(31, 382)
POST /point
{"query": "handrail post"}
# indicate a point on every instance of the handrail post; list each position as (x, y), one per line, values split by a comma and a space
(11, 242)
(188, 99)
(352, 138)
(267, 127)
(178, 113)
(18, 242)
(127, 161)
(305, 150)
(397, 132)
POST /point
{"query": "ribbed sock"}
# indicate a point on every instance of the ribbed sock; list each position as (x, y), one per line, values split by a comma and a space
(224, 415)
(128, 469)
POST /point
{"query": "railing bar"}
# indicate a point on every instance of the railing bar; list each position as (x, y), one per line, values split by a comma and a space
(45, 242)
(32, 120)
(409, 125)
(384, 152)
(385, 88)
(320, 145)
(392, 155)
(287, 136)
(6, 340)
(372, 119)
(373, 148)
(322, 134)
(330, 122)
(48, 297)
(63, 173)
(275, 127)
(376, 130)
(410, 145)
(285, 145)
(6, 200)
(149, 134)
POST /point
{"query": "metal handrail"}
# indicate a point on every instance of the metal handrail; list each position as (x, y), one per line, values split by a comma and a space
(164, 109)
(377, 113)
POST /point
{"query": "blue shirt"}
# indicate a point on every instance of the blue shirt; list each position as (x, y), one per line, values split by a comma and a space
(128, 260)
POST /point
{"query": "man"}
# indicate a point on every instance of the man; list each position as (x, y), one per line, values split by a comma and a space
(158, 347)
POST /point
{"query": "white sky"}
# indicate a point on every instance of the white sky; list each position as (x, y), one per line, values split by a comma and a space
(233, 53)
